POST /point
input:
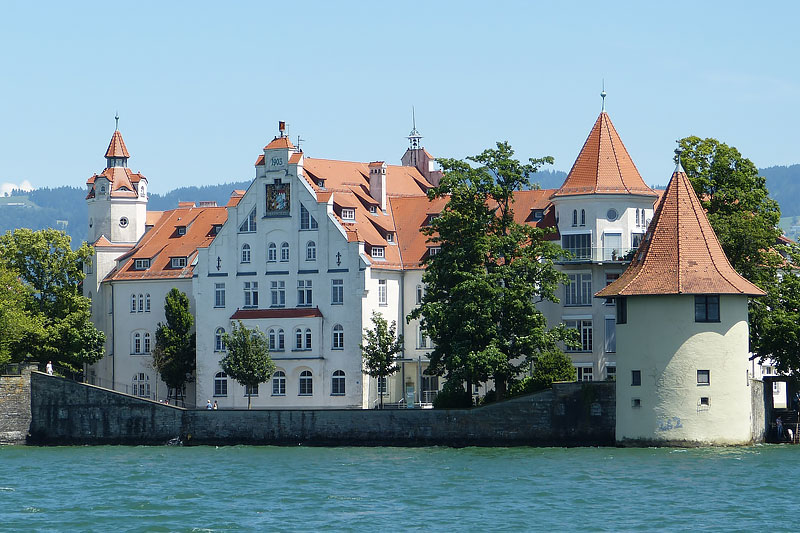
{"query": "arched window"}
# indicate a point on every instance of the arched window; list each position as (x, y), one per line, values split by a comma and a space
(308, 339)
(281, 340)
(338, 337)
(284, 252)
(311, 251)
(137, 343)
(583, 217)
(219, 342)
(574, 217)
(141, 303)
(245, 253)
(272, 252)
(306, 383)
(146, 303)
(146, 343)
(337, 383)
(279, 383)
(221, 384)
(637, 217)
(141, 385)
(133, 303)
(643, 221)
(272, 338)
(298, 339)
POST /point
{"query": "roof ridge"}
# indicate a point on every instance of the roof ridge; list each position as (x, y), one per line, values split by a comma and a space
(616, 157)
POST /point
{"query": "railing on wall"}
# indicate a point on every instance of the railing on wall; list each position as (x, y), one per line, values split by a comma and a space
(598, 254)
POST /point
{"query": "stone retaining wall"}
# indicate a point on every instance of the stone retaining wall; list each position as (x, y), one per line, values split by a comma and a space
(15, 407)
(571, 414)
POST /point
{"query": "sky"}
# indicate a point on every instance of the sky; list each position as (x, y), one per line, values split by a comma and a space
(200, 86)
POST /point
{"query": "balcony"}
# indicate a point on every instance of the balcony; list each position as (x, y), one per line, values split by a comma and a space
(598, 254)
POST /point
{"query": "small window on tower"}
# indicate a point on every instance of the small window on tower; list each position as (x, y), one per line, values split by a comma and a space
(123, 222)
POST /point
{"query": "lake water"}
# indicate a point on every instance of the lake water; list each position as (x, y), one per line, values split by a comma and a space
(392, 489)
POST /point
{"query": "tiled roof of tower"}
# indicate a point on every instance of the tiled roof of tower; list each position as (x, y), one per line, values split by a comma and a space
(342, 175)
(116, 148)
(164, 241)
(603, 166)
(279, 142)
(680, 253)
(122, 180)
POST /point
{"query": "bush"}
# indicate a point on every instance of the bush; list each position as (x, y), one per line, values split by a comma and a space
(550, 366)
(452, 396)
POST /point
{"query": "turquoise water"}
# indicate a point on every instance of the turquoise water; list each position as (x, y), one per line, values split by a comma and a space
(395, 489)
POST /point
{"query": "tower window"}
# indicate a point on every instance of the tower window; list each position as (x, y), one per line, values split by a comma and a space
(706, 308)
(123, 222)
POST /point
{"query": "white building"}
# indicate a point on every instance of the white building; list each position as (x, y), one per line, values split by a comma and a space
(682, 333)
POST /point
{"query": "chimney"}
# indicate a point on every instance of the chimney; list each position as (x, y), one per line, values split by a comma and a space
(377, 182)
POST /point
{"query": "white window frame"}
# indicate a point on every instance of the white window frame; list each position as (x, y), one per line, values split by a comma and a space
(383, 293)
(338, 383)
(378, 252)
(284, 252)
(338, 337)
(348, 213)
(279, 383)
(585, 371)
(305, 293)
(337, 292)
(220, 385)
(246, 255)
(578, 292)
(311, 251)
(306, 384)
(141, 264)
(272, 253)
(250, 294)
(219, 342)
(585, 328)
(219, 295)
(249, 224)
(610, 339)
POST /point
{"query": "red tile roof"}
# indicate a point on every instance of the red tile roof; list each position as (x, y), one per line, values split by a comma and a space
(162, 243)
(116, 148)
(680, 253)
(296, 312)
(279, 142)
(604, 166)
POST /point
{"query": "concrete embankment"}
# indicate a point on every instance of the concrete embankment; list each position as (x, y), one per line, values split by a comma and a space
(571, 414)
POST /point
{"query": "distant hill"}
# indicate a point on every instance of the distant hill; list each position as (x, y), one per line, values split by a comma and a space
(784, 187)
(65, 207)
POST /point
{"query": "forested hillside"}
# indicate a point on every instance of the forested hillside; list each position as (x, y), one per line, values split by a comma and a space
(65, 207)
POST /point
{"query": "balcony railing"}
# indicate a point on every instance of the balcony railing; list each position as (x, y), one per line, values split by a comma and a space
(598, 254)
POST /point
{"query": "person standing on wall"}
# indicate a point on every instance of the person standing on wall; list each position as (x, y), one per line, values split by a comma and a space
(49, 368)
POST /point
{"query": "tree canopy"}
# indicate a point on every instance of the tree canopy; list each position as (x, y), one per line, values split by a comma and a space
(483, 285)
(15, 322)
(174, 355)
(380, 347)
(247, 360)
(52, 273)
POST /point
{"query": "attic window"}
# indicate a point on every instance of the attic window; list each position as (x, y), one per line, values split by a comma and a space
(348, 213)
(378, 252)
(433, 250)
(215, 229)
(431, 218)
(141, 264)
(538, 214)
(249, 224)
(390, 237)
(373, 209)
(181, 230)
(178, 262)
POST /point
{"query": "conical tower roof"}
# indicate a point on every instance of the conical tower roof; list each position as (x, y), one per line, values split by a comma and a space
(116, 148)
(680, 253)
(604, 166)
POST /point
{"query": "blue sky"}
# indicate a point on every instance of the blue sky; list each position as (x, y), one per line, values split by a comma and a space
(200, 86)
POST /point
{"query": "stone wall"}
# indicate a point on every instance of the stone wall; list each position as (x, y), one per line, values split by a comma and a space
(15, 406)
(571, 414)
(758, 409)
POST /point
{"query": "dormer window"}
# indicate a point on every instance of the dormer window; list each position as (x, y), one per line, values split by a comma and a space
(390, 237)
(348, 213)
(373, 209)
(215, 229)
(181, 230)
(178, 262)
(141, 264)
(378, 252)
(538, 214)
(433, 250)
(431, 218)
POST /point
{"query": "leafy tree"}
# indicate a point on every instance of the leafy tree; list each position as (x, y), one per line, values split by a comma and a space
(174, 353)
(483, 285)
(550, 366)
(247, 361)
(380, 346)
(52, 273)
(779, 326)
(15, 322)
(746, 221)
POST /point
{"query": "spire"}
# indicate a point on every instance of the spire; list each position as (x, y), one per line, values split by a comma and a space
(116, 121)
(604, 166)
(116, 148)
(414, 137)
(678, 152)
(603, 96)
(680, 253)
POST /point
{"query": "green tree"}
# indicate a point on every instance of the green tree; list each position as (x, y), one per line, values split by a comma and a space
(247, 360)
(380, 347)
(52, 273)
(483, 285)
(15, 322)
(174, 355)
(779, 326)
(550, 366)
(746, 222)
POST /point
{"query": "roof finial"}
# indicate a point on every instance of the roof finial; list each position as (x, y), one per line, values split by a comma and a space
(603, 96)
(678, 152)
(116, 121)
(414, 137)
